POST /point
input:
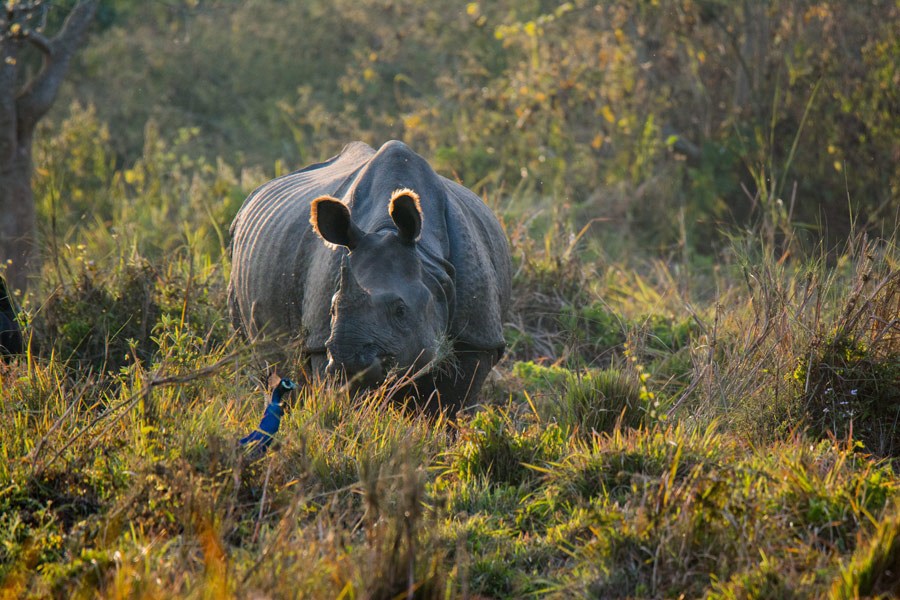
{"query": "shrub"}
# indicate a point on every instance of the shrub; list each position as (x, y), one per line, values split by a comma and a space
(106, 318)
(590, 401)
(493, 445)
(851, 391)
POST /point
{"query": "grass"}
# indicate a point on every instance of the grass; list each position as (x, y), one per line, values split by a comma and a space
(696, 458)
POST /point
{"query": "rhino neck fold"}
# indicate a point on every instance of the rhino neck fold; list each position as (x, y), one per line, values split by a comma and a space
(439, 277)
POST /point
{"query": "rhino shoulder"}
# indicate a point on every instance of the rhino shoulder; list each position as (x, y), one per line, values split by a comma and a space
(480, 255)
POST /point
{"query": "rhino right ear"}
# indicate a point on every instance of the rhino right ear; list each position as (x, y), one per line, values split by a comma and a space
(330, 218)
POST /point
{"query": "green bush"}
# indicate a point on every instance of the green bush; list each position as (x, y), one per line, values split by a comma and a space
(591, 401)
(496, 447)
(107, 317)
(850, 390)
(651, 114)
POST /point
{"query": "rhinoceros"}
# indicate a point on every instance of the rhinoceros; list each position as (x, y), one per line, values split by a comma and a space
(377, 264)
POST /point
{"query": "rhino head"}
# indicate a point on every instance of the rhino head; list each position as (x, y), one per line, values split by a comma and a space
(387, 312)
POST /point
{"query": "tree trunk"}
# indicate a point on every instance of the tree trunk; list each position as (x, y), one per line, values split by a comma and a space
(18, 224)
(20, 111)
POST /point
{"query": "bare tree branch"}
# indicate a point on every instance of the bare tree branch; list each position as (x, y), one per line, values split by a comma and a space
(38, 94)
(43, 44)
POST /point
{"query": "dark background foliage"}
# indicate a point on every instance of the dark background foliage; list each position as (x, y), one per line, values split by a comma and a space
(673, 118)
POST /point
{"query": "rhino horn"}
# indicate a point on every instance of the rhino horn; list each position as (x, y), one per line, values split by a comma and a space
(350, 289)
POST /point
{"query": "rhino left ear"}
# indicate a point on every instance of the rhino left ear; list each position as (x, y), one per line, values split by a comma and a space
(406, 211)
(330, 218)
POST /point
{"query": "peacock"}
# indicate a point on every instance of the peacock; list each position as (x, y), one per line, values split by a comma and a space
(268, 425)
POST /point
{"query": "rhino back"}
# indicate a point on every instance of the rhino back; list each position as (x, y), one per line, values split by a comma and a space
(396, 166)
(282, 275)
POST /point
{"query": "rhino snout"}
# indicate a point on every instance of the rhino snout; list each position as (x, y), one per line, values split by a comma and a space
(366, 367)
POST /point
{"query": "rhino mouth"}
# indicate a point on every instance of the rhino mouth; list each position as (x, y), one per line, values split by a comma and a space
(365, 370)
(370, 365)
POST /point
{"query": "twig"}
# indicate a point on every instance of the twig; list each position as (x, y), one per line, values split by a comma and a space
(688, 391)
(132, 400)
(39, 446)
(262, 504)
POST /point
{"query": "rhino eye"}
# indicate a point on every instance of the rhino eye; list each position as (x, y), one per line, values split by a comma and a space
(399, 309)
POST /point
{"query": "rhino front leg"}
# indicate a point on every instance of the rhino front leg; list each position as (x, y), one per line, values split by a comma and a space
(459, 384)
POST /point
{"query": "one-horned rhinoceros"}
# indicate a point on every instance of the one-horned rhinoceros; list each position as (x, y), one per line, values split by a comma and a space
(375, 262)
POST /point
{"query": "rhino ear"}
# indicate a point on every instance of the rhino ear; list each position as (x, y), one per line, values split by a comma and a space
(330, 218)
(406, 211)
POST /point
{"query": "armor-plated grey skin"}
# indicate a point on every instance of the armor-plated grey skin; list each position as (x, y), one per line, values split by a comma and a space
(374, 261)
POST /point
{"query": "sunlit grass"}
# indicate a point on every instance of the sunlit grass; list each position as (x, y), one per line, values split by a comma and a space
(690, 460)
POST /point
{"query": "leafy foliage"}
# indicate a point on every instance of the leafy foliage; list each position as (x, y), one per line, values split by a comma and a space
(650, 114)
